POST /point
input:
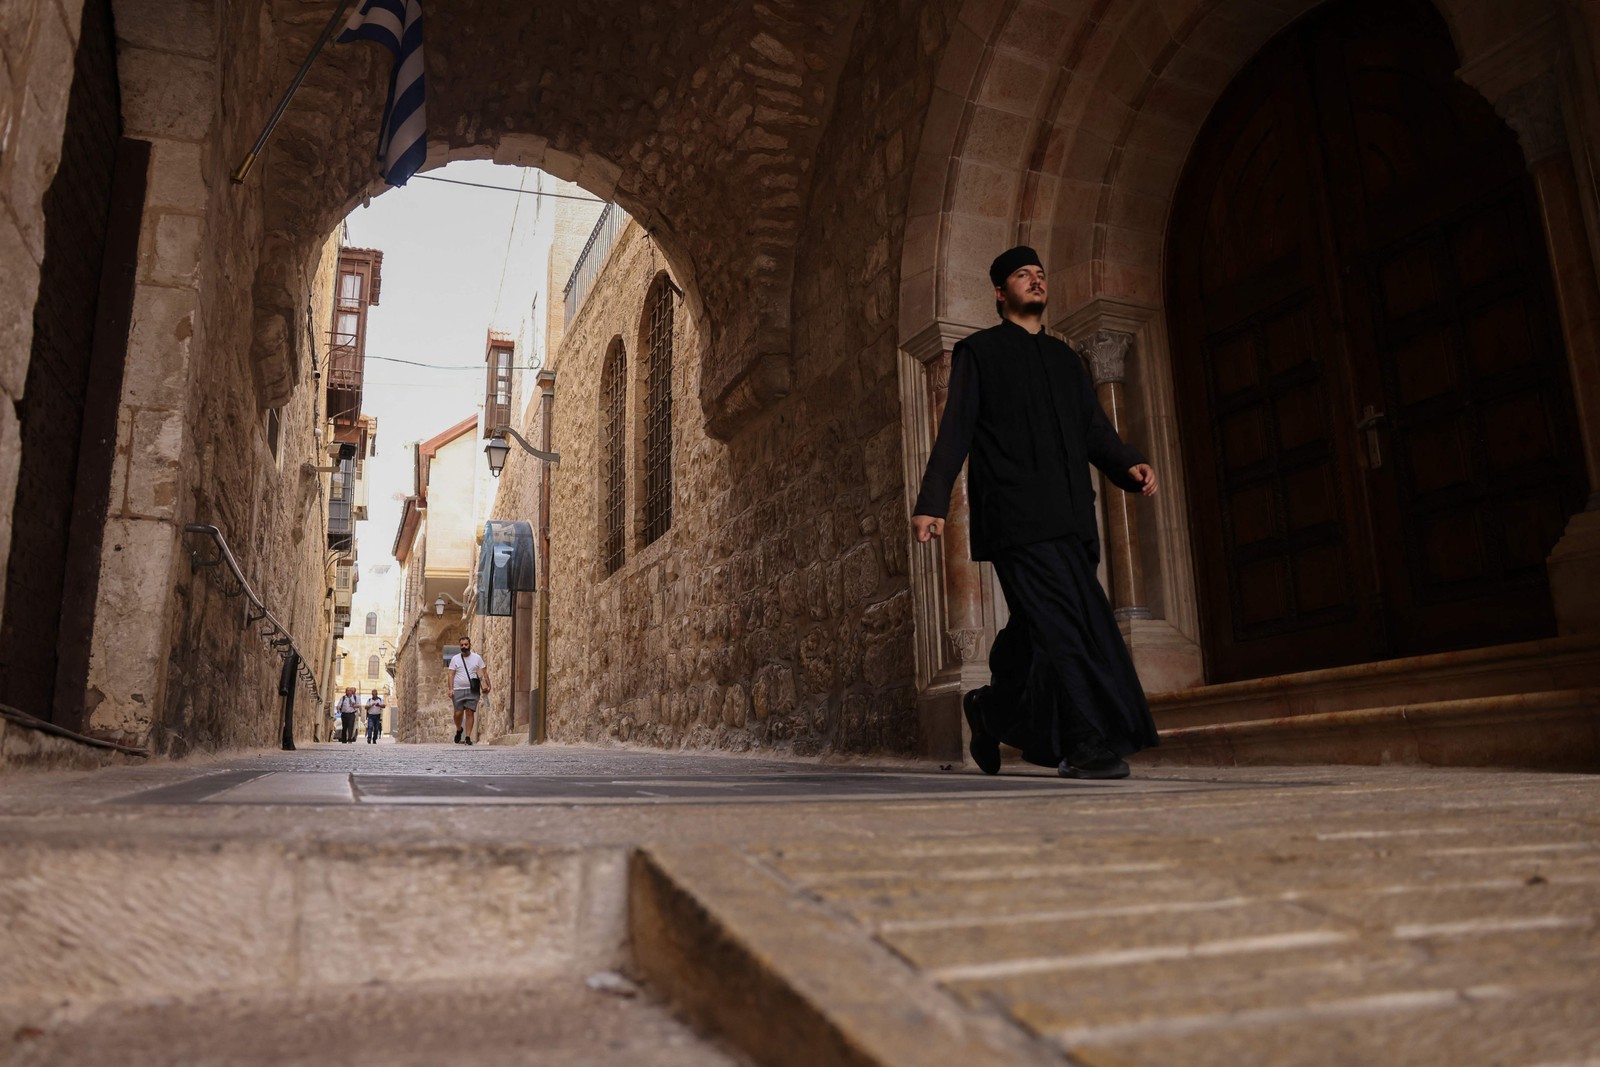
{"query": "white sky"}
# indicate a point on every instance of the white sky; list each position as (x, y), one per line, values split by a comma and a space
(444, 250)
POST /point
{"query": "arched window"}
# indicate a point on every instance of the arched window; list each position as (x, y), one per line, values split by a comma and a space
(613, 469)
(372, 667)
(658, 412)
(372, 622)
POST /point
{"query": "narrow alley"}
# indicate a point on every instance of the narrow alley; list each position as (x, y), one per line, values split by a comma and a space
(809, 533)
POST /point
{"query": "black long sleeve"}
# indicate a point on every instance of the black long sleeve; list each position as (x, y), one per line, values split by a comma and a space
(954, 440)
(1104, 448)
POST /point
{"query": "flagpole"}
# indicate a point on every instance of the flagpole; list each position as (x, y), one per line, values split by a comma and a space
(243, 170)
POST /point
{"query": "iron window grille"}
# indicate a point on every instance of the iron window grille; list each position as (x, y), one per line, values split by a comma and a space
(613, 395)
(658, 417)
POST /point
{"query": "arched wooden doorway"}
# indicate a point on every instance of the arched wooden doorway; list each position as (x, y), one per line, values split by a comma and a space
(1371, 383)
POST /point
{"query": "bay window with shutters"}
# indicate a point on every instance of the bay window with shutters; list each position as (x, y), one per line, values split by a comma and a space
(656, 455)
(498, 357)
(613, 460)
(358, 288)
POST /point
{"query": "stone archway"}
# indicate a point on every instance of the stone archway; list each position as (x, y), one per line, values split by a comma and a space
(732, 131)
(1068, 130)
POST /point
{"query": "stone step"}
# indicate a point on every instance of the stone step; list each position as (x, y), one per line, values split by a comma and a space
(554, 1021)
(791, 982)
(106, 920)
(1527, 667)
(1553, 730)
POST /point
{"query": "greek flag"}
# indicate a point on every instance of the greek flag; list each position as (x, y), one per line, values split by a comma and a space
(397, 26)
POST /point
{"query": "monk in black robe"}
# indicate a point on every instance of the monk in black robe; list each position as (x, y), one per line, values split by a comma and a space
(1063, 687)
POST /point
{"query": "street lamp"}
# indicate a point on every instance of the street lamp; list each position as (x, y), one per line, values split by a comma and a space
(498, 449)
(438, 604)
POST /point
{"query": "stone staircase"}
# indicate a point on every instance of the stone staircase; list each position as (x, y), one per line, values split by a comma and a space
(1535, 704)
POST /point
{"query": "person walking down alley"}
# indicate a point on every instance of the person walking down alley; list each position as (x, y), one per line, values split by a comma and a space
(1063, 687)
(348, 706)
(468, 680)
(375, 705)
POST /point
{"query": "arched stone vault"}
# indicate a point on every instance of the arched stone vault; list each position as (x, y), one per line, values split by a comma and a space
(709, 142)
(1066, 126)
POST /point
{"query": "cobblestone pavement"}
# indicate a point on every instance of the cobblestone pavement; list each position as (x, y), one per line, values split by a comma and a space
(1340, 915)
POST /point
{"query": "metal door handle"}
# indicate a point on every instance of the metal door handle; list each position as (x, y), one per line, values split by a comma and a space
(1371, 419)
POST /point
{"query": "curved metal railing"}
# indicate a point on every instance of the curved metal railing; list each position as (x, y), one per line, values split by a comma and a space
(276, 635)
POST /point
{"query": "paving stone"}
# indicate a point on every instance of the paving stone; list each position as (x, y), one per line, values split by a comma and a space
(1321, 916)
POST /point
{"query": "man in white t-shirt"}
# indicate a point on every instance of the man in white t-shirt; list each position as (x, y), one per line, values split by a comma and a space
(375, 705)
(466, 676)
(348, 705)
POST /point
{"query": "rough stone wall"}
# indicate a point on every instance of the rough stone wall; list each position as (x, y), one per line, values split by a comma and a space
(776, 611)
(37, 42)
(171, 660)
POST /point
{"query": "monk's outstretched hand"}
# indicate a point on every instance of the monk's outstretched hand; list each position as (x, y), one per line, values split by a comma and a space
(1145, 475)
(926, 527)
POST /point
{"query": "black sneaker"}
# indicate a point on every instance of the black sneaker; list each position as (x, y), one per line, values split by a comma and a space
(985, 749)
(466, 741)
(1092, 760)
(458, 735)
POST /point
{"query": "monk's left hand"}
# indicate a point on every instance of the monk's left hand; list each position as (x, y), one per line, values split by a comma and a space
(1145, 475)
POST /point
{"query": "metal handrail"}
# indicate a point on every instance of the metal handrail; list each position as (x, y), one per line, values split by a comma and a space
(278, 637)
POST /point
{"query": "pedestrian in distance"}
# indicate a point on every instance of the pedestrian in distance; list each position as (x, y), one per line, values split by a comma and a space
(375, 705)
(467, 677)
(1063, 688)
(349, 705)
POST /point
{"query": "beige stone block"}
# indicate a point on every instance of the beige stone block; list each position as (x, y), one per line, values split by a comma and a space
(521, 150)
(962, 55)
(37, 136)
(987, 192)
(166, 95)
(142, 924)
(157, 370)
(138, 569)
(173, 250)
(72, 15)
(1014, 84)
(181, 26)
(523, 911)
(1036, 30)
(997, 137)
(16, 23)
(17, 298)
(154, 464)
(177, 177)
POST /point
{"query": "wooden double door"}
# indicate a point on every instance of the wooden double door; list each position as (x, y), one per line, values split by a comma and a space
(1371, 385)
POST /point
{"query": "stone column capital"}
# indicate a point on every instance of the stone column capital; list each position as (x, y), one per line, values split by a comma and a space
(1519, 77)
(936, 339)
(1533, 111)
(1107, 353)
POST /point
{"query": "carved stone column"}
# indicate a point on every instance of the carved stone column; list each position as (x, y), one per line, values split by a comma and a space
(1522, 81)
(1107, 352)
(954, 630)
(1111, 333)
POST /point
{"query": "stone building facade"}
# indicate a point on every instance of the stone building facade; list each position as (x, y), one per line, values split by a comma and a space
(826, 183)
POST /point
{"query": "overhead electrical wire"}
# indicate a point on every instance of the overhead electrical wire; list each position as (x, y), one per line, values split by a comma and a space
(438, 366)
(508, 189)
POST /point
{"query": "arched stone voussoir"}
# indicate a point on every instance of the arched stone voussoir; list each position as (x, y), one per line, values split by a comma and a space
(701, 121)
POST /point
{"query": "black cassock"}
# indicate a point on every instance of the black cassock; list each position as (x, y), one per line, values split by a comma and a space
(1023, 409)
